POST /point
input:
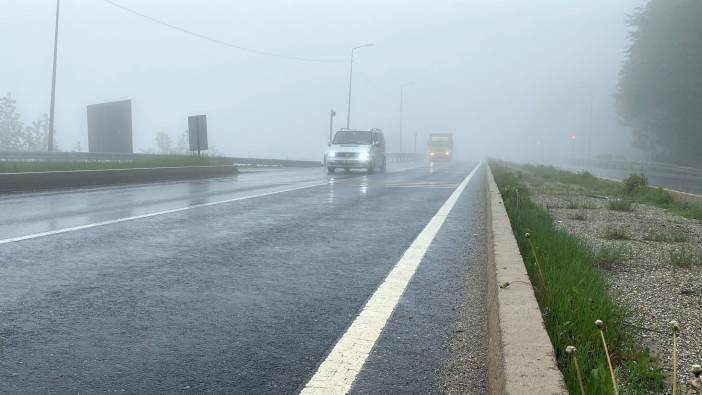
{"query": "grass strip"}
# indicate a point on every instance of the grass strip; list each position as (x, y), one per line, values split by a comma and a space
(572, 296)
(634, 189)
(155, 161)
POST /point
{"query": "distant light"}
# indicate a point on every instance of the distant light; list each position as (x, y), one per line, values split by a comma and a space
(572, 137)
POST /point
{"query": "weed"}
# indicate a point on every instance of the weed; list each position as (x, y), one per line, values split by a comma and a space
(610, 256)
(600, 325)
(635, 184)
(658, 197)
(676, 331)
(615, 234)
(648, 376)
(684, 257)
(620, 205)
(675, 236)
(580, 205)
(571, 350)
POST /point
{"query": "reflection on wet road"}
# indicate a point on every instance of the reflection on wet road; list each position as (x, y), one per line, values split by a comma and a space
(27, 214)
(237, 285)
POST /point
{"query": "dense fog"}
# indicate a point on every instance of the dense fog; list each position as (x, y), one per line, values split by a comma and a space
(515, 79)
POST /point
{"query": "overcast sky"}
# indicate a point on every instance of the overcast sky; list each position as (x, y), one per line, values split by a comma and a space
(507, 77)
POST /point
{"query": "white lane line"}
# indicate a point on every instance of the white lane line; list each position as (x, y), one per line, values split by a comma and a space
(338, 371)
(153, 214)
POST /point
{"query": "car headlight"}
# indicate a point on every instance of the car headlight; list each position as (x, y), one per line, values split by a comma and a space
(448, 152)
(363, 156)
(431, 154)
(332, 154)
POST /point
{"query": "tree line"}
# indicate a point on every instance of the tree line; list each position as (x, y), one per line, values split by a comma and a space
(660, 84)
(15, 135)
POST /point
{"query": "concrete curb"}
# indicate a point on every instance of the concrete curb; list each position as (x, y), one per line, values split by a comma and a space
(521, 358)
(38, 181)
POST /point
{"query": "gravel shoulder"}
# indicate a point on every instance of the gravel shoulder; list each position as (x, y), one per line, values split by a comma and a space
(646, 281)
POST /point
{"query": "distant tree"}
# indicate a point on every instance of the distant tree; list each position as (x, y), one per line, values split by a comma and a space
(11, 127)
(660, 84)
(163, 143)
(183, 144)
(15, 136)
(36, 136)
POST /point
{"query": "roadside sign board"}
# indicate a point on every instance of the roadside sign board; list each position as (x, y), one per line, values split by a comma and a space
(197, 132)
(110, 127)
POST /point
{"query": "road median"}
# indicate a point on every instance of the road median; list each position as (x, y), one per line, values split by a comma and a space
(521, 357)
(47, 180)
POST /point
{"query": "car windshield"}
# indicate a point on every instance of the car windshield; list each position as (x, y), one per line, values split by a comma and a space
(352, 137)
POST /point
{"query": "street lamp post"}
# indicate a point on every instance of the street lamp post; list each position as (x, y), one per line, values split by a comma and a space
(332, 114)
(348, 111)
(589, 132)
(53, 83)
(402, 100)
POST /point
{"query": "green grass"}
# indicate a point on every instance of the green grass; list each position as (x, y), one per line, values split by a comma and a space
(620, 205)
(685, 257)
(153, 161)
(635, 188)
(615, 234)
(574, 295)
(668, 237)
(583, 179)
(610, 256)
(687, 210)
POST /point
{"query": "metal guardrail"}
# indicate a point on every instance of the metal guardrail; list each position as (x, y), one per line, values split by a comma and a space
(237, 161)
(404, 157)
(108, 156)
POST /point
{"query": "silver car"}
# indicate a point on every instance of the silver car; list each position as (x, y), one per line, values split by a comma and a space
(357, 149)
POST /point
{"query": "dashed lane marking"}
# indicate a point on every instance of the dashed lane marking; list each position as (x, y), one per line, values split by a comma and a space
(339, 370)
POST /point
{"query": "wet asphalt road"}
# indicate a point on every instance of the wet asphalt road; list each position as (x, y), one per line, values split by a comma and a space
(243, 296)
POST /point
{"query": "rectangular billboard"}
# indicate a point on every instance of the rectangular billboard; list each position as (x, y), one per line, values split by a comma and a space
(197, 132)
(110, 127)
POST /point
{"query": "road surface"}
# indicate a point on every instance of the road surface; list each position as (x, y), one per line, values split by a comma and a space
(244, 284)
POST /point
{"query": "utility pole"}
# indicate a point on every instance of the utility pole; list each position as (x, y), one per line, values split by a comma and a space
(331, 124)
(348, 110)
(53, 83)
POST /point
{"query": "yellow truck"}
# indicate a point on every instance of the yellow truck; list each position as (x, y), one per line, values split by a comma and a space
(441, 147)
